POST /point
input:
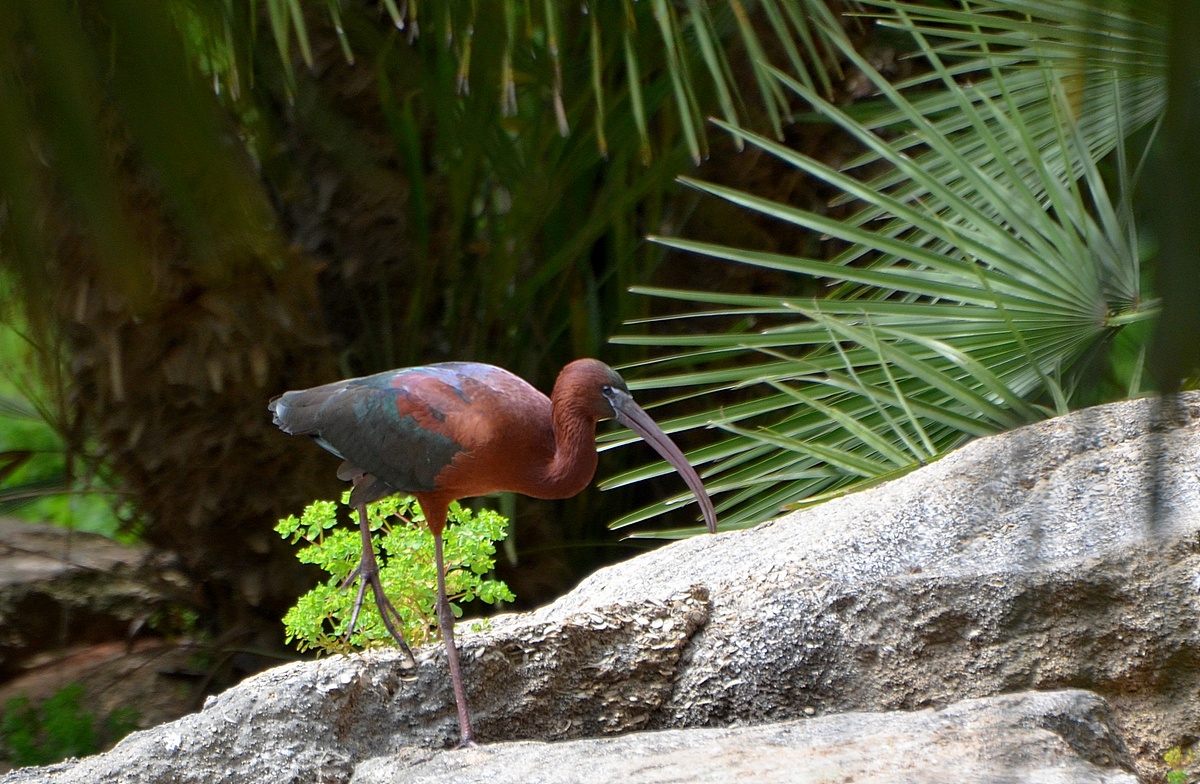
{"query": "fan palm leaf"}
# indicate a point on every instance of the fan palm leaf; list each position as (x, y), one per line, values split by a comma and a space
(982, 269)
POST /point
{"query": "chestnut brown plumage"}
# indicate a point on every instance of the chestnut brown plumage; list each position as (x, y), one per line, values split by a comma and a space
(460, 429)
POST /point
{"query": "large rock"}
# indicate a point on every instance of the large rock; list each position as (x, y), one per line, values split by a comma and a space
(1063, 737)
(1064, 554)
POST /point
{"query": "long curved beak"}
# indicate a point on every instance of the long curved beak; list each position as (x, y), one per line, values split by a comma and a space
(634, 417)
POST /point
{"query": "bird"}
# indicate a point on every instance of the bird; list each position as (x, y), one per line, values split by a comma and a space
(453, 430)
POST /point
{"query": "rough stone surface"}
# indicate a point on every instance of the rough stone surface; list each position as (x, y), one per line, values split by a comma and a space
(604, 670)
(1061, 555)
(1064, 554)
(1063, 737)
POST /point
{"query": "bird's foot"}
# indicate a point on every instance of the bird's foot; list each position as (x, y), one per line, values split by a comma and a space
(466, 743)
(368, 574)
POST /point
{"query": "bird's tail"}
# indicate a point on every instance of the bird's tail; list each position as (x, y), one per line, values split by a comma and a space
(278, 411)
(297, 412)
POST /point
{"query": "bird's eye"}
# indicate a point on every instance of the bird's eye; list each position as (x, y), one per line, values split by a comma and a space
(606, 389)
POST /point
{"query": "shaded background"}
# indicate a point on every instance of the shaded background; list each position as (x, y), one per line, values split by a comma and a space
(208, 206)
(205, 204)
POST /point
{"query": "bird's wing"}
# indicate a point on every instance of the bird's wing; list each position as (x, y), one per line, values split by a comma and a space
(390, 425)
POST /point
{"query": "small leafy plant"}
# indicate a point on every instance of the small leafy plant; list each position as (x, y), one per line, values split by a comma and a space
(58, 728)
(406, 569)
(1179, 760)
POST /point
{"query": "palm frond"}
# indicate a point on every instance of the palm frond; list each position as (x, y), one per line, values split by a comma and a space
(981, 269)
(624, 44)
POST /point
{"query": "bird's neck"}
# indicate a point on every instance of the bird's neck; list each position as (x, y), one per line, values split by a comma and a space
(574, 461)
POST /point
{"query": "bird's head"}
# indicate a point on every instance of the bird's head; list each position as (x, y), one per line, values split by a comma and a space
(591, 387)
(598, 386)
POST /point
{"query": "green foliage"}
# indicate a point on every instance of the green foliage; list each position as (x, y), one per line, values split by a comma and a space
(1179, 760)
(991, 271)
(39, 478)
(539, 143)
(58, 728)
(609, 50)
(174, 622)
(406, 564)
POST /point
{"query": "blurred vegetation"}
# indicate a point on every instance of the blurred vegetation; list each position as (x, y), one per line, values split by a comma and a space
(914, 223)
(58, 728)
(41, 478)
(1180, 761)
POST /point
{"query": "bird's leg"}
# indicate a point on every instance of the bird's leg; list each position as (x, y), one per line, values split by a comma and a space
(368, 574)
(446, 621)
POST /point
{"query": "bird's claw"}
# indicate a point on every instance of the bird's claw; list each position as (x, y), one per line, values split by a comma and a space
(387, 611)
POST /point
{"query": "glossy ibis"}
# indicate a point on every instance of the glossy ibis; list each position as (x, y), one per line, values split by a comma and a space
(460, 429)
